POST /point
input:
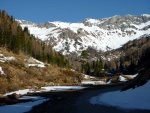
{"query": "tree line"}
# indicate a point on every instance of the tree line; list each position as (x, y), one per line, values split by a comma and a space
(20, 41)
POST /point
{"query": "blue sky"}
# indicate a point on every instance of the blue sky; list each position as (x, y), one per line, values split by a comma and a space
(72, 10)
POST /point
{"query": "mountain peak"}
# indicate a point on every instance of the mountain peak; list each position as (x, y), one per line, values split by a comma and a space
(25, 22)
(99, 34)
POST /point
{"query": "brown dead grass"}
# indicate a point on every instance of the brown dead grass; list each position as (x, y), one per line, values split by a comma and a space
(115, 79)
(20, 77)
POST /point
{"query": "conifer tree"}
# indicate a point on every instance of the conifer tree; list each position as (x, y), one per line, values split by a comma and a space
(21, 41)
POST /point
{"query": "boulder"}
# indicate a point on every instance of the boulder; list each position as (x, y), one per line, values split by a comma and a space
(14, 96)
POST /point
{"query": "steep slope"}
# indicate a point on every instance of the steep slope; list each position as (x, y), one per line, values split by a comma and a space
(134, 49)
(99, 34)
(18, 68)
(18, 71)
(21, 41)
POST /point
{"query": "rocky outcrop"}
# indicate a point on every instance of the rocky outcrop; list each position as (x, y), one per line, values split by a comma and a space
(117, 22)
(14, 96)
(100, 34)
(141, 79)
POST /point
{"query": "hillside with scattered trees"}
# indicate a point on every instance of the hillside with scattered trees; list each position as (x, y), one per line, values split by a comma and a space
(126, 60)
(20, 41)
(18, 44)
(26, 62)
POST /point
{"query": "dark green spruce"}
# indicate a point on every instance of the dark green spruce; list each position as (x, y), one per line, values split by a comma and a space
(19, 40)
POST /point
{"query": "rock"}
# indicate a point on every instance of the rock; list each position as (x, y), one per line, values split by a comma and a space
(51, 84)
(14, 96)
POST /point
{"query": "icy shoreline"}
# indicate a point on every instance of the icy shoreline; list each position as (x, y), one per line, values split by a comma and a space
(33, 100)
(137, 98)
(22, 107)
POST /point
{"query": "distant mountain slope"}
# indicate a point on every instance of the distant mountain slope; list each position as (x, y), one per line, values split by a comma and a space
(135, 49)
(99, 34)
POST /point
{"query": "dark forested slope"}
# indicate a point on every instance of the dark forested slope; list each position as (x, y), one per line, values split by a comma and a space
(18, 40)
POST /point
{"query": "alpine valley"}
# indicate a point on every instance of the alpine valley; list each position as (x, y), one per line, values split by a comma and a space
(46, 62)
(61, 53)
(99, 34)
(92, 39)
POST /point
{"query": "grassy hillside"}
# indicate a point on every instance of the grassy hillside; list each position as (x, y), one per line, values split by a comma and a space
(17, 73)
(19, 69)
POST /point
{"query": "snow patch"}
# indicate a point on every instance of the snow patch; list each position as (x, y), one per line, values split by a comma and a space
(137, 98)
(61, 88)
(88, 77)
(4, 59)
(47, 89)
(21, 92)
(122, 79)
(131, 76)
(21, 107)
(93, 82)
(31, 62)
(1, 71)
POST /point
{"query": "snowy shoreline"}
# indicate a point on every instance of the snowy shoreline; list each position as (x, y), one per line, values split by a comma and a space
(46, 89)
(137, 98)
(22, 107)
(33, 100)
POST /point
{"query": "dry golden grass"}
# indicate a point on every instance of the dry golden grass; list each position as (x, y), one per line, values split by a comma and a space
(8, 53)
(115, 79)
(20, 77)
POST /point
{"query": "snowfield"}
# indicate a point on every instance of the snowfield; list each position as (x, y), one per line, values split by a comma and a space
(138, 98)
(83, 36)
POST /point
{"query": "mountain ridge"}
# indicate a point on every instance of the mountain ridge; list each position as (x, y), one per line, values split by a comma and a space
(19, 48)
(98, 34)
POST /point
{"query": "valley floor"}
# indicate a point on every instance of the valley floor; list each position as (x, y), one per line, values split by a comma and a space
(76, 101)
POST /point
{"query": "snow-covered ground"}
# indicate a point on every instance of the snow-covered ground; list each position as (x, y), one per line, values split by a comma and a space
(27, 106)
(47, 89)
(1, 71)
(22, 107)
(122, 79)
(32, 62)
(138, 98)
(3, 58)
(88, 77)
(62, 88)
(94, 36)
(131, 76)
(89, 82)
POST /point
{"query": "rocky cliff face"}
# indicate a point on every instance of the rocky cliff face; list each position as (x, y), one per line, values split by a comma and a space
(117, 22)
(99, 34)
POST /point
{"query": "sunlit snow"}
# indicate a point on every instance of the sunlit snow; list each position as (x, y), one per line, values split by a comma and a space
(91, 36)
(47, 89)
(1, 71)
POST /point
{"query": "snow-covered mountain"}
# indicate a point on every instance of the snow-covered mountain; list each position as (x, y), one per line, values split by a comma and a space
(100, 34)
